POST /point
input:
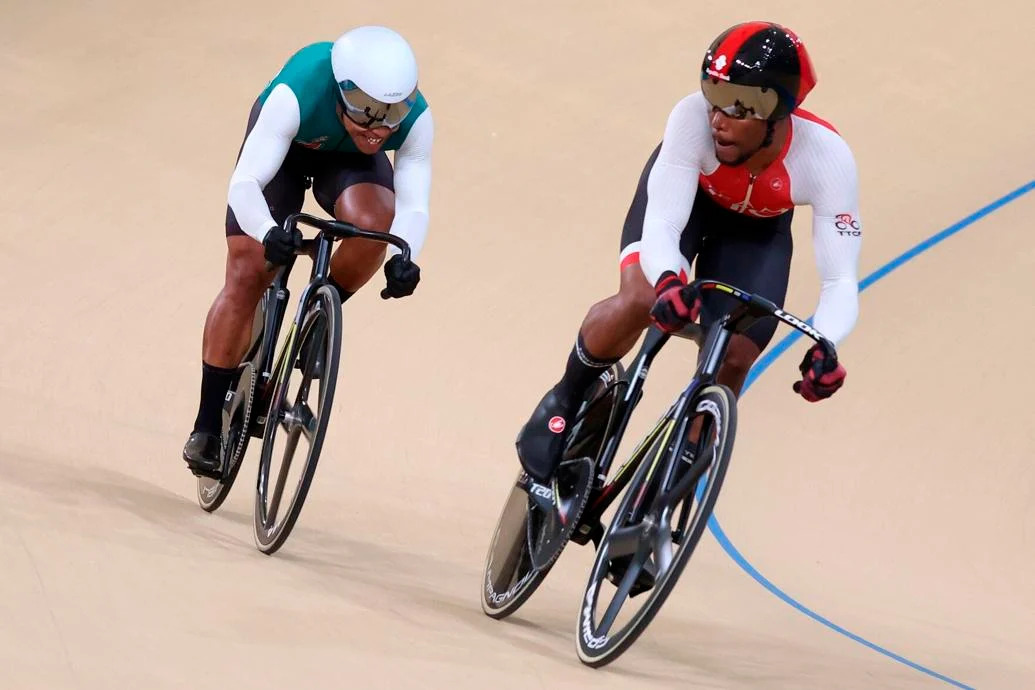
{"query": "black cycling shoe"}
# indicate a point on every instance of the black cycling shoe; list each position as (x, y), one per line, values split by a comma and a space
(644, 579)
(203, 454)
(540, 445)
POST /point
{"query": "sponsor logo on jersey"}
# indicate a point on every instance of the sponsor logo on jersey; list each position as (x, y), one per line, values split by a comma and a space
(846, 225)
(316, 143)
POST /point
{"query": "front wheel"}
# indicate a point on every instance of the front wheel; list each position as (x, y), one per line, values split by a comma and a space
(657, 540)
(316, 349)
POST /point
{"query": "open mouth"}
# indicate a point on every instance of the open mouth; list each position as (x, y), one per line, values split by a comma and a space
(372, 140)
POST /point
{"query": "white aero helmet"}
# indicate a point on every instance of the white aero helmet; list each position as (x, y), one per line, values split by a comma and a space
(376, 72)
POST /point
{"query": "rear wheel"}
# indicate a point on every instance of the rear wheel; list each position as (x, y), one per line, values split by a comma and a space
(657, 533)
(237, 418)
(537, 521)
(293, 417)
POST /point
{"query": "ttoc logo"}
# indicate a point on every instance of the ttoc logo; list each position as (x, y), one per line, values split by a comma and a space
(846, 225)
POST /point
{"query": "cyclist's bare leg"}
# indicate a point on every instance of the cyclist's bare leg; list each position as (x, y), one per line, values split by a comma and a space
(368, 206)
(740, 355)
(609, 330)
(227, 334)
(613, 325)
(228, 326)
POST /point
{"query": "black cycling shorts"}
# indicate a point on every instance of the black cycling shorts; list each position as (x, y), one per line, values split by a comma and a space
(751, 253)
(329, 173)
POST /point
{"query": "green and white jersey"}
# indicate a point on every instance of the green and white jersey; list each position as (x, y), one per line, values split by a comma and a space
(300, 106)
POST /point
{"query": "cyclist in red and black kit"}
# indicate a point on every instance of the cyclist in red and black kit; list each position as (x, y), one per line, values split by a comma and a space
(720, 190)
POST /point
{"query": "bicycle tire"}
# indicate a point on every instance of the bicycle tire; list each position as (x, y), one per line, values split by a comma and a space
(325, 304)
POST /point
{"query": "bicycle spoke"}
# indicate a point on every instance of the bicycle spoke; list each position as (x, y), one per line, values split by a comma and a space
(688, 482)
(679, 533)
(285, 466)
(664, 550)
(624, 587)
(303, 388)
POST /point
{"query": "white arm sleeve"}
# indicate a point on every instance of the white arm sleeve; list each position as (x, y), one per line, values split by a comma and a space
(263, 152)
(413, 185)
(671, 188)
(837, 239)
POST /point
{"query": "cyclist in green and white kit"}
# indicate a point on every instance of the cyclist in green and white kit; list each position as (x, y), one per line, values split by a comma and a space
(324, 121)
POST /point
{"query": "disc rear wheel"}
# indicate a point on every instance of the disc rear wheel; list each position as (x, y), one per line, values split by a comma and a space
(537, 521)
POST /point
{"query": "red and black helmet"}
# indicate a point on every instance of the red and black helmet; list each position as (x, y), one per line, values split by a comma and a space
(768, 63)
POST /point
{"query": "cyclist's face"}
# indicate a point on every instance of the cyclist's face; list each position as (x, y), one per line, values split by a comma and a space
(736, 139)
(368, 141)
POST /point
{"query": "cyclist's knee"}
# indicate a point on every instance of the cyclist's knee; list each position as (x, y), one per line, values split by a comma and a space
(367, 206)
(635, 299)
(246, 274)
(372, 218)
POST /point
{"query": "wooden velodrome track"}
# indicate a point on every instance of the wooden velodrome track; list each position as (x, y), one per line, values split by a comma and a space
(900, 512)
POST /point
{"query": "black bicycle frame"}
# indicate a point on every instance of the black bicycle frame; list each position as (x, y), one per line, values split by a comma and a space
(323, 244)
(713, 351)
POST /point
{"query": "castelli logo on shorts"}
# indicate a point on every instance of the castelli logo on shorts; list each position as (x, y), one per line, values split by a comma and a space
(556, 424)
